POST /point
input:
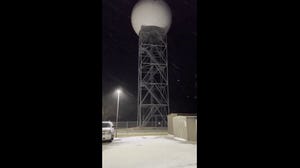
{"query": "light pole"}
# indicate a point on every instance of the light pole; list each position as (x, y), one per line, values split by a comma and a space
(118, 101)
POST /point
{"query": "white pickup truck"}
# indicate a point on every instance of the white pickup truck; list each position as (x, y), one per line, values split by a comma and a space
(108, 131)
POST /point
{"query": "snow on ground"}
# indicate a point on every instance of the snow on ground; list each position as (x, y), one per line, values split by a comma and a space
(149, 152)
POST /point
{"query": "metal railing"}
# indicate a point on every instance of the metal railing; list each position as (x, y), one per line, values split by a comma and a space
(126, 124)
(133, 124)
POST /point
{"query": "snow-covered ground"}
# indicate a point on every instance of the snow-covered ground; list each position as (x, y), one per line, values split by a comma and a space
(149, 152)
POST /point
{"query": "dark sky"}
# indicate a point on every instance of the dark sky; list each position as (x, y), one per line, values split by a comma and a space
(120, 53)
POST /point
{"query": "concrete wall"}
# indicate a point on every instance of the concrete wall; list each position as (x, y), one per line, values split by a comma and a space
(170, 123)
(180, 127)
(183, 126)
(196, 129)
(192, 128)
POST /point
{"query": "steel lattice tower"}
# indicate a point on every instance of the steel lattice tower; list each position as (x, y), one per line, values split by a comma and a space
(153, 90)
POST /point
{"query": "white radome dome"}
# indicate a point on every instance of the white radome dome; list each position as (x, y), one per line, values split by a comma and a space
(151, 13)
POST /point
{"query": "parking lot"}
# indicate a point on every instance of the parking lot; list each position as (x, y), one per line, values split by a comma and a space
(159, 151)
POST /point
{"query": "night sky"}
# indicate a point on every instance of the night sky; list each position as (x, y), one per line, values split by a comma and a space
(120, 53)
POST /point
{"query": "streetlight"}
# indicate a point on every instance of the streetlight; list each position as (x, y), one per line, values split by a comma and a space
(118, 101)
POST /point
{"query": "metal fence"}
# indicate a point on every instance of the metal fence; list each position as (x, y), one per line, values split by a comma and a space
(126, 124)
(132, 124)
